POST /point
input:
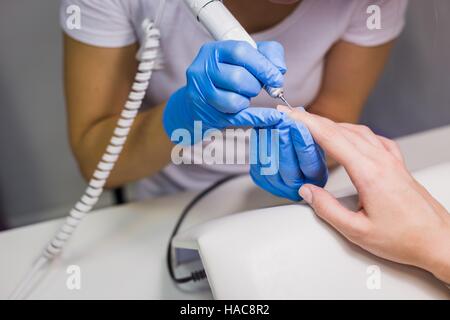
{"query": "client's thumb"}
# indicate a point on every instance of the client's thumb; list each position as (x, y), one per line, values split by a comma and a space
(328, 207)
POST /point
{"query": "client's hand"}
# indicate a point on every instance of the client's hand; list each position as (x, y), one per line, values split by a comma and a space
(398, 220)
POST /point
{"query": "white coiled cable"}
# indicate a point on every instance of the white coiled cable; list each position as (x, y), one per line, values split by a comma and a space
(148, 56)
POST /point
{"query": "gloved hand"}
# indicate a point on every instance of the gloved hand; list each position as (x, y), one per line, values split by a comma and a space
(300, 160)
(223, 78)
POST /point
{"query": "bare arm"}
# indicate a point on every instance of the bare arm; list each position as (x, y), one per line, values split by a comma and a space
(97, 83)
(351, 72)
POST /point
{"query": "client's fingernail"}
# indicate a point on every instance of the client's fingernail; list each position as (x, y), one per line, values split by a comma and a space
(306, 194)
(282, 108)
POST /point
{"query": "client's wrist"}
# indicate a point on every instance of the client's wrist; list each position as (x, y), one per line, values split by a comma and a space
(441, 269)
(437, 256)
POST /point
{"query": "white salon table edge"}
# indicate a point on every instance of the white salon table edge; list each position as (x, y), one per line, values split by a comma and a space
(121, 251)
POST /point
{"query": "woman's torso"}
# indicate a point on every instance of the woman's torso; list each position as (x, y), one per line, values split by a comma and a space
(306, 34)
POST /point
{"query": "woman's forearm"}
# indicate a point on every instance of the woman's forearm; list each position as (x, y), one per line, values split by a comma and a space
(146, 151)
(336, 111)
(350, 73)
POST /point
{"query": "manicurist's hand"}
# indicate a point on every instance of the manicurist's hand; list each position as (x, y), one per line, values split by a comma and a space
(223, 78)
(398, 219)
(295, 159)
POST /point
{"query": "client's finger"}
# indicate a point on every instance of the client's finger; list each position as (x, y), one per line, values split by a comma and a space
(332, 139)
(366, 145)
(326, 206)
(392, 147)
(364, 132)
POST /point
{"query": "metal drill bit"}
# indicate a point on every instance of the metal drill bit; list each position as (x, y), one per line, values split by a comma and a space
(282, 98)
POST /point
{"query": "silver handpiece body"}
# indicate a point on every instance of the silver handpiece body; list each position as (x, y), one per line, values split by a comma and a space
(222, 25)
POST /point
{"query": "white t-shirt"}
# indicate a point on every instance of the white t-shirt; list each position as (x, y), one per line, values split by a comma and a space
(306, 34)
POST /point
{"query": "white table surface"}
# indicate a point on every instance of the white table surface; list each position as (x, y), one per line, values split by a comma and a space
(122, 250)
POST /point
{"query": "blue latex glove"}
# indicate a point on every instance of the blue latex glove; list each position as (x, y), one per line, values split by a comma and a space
(223, 78)
(301, 160)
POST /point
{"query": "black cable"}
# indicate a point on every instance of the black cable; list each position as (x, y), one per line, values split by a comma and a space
(119, 196)
(200, 274)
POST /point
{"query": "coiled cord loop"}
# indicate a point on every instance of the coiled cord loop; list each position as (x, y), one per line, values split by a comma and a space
(148, 56)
